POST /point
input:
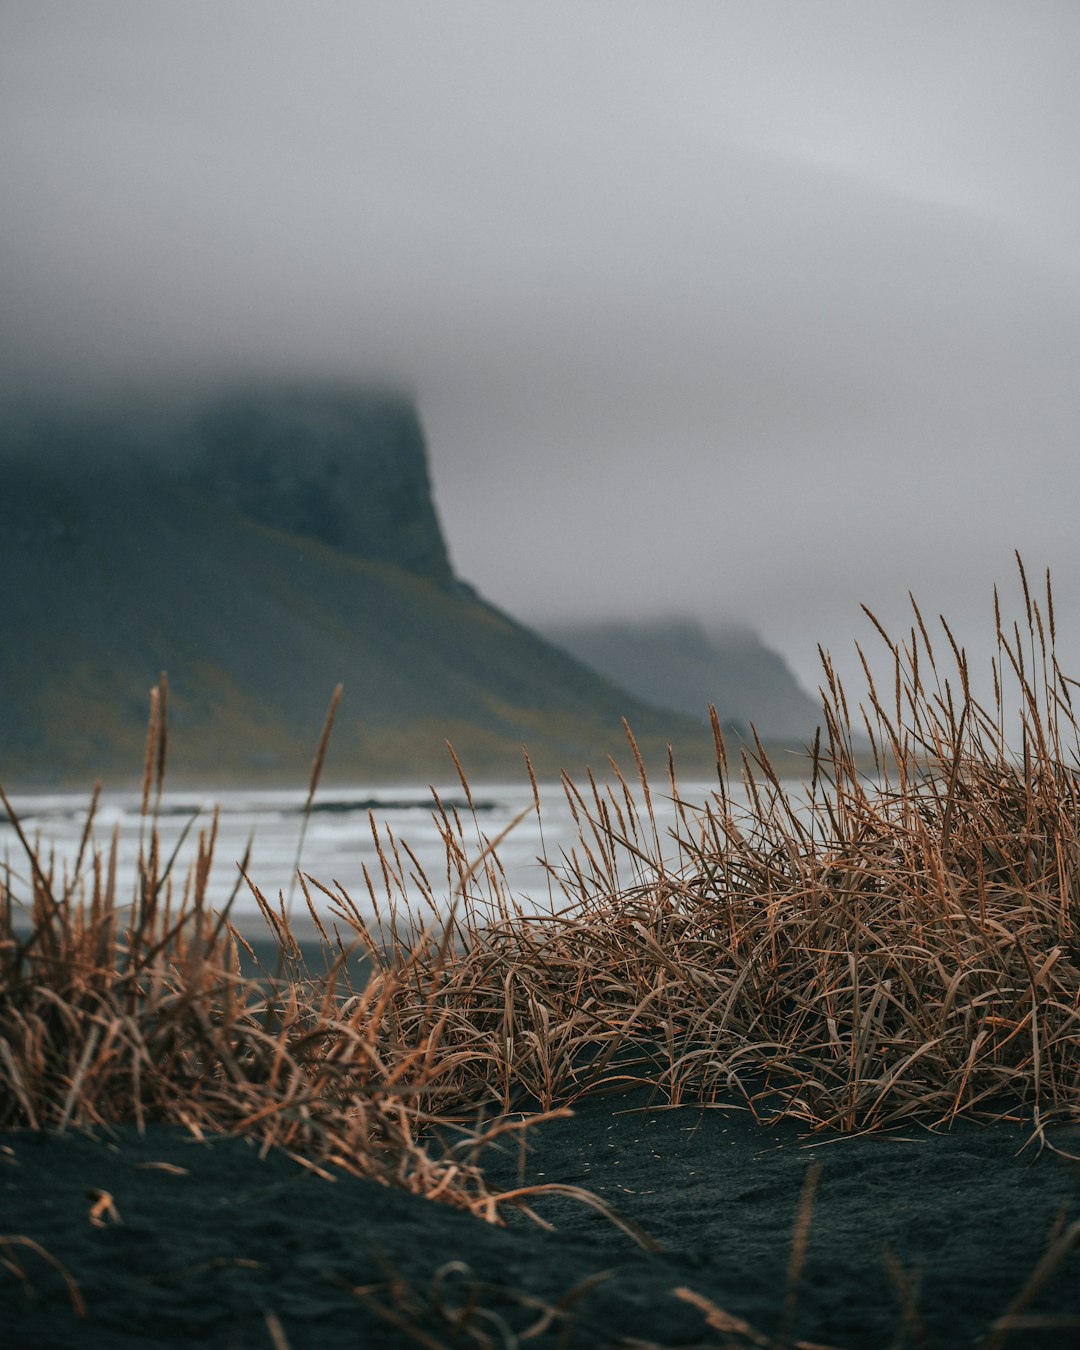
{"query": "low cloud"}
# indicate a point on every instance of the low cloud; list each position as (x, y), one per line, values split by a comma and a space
(744, 312)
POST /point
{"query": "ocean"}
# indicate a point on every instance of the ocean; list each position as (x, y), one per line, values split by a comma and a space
(341, 839)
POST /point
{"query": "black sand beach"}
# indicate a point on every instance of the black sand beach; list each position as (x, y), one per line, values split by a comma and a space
(175, 1242)
(912, 957)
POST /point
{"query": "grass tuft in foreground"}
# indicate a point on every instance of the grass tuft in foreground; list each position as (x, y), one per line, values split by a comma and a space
(875, 948)
(878, 948)
(138, 1011)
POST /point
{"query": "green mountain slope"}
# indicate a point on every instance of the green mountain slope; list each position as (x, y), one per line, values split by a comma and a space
(131, 545)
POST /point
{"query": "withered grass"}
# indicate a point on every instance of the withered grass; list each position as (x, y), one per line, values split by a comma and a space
(871, 950)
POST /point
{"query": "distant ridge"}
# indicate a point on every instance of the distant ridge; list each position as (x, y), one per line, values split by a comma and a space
(261, 545)
(676, 664)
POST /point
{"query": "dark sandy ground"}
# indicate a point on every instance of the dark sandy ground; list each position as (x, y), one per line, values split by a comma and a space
(207, 1244)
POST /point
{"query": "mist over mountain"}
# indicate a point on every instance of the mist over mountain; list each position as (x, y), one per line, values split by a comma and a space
(676, 663)
(262, 545)
(345, 466)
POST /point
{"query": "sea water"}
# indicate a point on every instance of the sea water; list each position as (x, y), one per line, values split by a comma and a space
(341, 838)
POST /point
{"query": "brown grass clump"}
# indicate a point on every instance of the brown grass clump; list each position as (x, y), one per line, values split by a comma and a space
(138, 1012)
(882, 947)
(876, 949)
(885, 946)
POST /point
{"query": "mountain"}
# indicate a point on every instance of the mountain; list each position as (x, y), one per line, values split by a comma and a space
(348, 470)
(261, 545)
(674, 663)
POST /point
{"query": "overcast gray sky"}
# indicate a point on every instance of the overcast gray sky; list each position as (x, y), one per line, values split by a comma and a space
(743, 310)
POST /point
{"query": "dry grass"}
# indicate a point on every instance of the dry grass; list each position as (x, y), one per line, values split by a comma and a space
(118, 1012)
(880, 948)
(899, 945)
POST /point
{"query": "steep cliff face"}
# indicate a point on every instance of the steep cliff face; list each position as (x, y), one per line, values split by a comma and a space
(345, 468)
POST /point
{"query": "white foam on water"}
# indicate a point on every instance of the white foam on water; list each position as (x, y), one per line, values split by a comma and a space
(338, 842)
